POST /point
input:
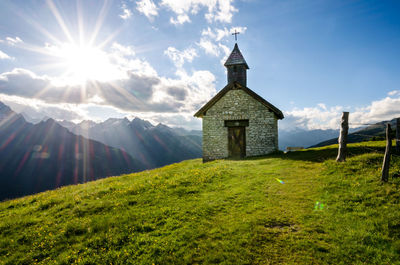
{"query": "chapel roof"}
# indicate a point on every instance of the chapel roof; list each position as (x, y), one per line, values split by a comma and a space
(233, 86)
(236, 58)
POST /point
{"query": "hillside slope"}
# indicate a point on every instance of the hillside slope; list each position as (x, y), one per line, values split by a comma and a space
(295, 208)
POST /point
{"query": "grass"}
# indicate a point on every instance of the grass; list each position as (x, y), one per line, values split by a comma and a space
(228, 212)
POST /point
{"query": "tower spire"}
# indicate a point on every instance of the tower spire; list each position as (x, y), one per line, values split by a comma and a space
(237, 67)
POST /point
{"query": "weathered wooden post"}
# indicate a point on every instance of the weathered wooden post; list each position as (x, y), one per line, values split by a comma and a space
(386, 158)
(398, 136)
(344, 129)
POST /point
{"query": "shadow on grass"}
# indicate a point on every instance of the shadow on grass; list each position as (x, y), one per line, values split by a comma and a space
(320, 155)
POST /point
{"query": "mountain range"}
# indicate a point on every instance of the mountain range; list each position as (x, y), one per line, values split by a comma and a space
(154, 146)
(43, 156)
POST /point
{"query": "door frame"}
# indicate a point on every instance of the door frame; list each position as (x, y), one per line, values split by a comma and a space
(242, 124)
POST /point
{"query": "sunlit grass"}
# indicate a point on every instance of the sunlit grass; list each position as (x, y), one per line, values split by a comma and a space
(230, 212)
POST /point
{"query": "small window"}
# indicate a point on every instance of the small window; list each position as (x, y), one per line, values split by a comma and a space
(234, 69)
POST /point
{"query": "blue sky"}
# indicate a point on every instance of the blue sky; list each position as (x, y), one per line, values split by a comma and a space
(162, 60)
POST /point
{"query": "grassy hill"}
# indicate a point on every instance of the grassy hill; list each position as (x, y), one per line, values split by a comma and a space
(229, 212)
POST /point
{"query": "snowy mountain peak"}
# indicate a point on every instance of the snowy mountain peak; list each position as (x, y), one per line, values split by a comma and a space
(115, 122)
(87, 124)
(136, 122)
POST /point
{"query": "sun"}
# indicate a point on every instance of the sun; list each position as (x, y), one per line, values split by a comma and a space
(83, 63)
(75, 57)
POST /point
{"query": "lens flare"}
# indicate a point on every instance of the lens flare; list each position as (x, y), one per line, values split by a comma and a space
(319, 206)
(8, 141)
(280, 181)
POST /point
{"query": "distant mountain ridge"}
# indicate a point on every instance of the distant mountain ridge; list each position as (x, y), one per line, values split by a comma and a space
(154, 146)
(371, 132)
(39, 157)
(304, 138)
(299, 137)
(33, 119)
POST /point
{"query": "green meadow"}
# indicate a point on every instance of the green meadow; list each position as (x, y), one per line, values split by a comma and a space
(295, 208)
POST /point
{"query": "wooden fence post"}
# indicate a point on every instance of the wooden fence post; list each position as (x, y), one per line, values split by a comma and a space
(398, 135)
(386, 159)
(344, 129)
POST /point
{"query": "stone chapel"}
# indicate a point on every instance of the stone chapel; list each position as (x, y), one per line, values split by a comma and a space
(237, 122)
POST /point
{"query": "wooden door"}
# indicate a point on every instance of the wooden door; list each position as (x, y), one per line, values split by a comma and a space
(236, 142)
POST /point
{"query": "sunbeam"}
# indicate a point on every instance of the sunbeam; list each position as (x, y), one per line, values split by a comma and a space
(22, 162)
(100, 21)
(7, 141)
(60, 20)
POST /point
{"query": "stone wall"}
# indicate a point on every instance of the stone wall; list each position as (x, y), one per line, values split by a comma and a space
(261, 134)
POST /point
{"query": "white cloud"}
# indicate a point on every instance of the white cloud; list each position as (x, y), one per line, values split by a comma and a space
(241, 30)
(180, 19)
(225, 51)
(209, 47)
(394, 93)
(200, 87)
(122, 50)
(148, 8)
(323, 117)
(4, 56)
(212, 41)
(126, 13)
(218, 34)
(322, 106)
(38, 109)
(311, 118)
(217, 10)
(384, 109)
(224, 13)
(179, 57)
(13, 41)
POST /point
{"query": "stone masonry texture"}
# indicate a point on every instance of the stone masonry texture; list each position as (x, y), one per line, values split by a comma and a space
(261, 134)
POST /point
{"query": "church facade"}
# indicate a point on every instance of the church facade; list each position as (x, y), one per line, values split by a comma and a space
(237, 122)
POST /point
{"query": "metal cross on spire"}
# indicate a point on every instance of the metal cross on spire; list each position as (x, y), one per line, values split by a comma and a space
(236, 33)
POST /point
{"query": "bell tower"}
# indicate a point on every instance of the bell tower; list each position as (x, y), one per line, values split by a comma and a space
(237, 67)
